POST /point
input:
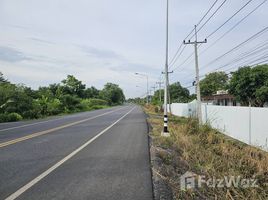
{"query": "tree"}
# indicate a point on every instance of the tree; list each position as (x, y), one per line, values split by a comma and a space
(113, 94)
(2, 79)
(156, 97)
(250, 85)
(73, 86)
(20, 102)
(213, 82)
(70, 103)
(91, 92)
(178, 93)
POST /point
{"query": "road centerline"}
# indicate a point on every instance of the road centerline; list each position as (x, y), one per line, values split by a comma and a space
(62, 161)
(20, 139)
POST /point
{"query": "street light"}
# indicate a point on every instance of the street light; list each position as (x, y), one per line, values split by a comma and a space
(165, 131)
(145, 75)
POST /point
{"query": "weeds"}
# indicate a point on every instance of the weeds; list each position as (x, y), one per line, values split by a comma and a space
(205, 151)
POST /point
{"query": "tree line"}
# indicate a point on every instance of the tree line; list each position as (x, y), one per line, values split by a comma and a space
(249, 85)
(19, 102)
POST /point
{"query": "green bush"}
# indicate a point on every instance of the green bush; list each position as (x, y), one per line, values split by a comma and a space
(93, 102)
(85, 105)
(3, 118)
(70, 103)
(11, 117)
(54, 107)
(96, 107)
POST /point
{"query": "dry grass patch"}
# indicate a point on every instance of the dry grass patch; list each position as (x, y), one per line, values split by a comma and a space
(205, 151)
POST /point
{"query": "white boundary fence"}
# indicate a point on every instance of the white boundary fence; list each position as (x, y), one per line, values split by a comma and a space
(249, 125)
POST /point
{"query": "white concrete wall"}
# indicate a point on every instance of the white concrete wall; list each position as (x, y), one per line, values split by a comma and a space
(233, 121)
(179, 109)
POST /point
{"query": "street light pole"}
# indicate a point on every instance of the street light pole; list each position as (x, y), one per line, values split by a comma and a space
(165, 130)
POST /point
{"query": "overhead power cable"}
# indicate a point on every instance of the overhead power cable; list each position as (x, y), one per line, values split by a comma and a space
(256, 50)
(213, 32)
(233, 27)
(246, 55)
(256, 35)
(252, 64)
(210, 17)
(240, 21)
(175, 57)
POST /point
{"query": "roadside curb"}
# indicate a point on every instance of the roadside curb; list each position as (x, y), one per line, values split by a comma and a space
(161, 189)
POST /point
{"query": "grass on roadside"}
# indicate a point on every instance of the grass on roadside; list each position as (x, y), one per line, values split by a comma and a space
(205, 151)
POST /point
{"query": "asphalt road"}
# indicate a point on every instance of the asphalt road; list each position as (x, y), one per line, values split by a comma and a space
(94, 155)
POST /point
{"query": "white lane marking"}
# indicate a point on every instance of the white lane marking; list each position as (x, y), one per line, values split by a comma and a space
(11, 128)
(58, 164)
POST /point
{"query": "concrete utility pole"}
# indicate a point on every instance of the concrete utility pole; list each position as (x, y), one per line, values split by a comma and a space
(146, 76)
(165, 130)
(159, 85)
(169, 102)
(153, 87)
(195, 43)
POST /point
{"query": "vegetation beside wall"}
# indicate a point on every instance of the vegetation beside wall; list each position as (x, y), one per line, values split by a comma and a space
(205, 151)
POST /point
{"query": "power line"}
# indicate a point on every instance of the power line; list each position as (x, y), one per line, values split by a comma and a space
(201, 26)
(257, 62)
(210, 17)
(213, 32)
(240, 21)
(238, 46)
(255, 50)
(175, 57)
(244, 55)
(233, 27)
(206, 13)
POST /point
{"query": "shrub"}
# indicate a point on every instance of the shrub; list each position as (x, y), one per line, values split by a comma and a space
(96, 107)
(93, 102)
(3, 118)
(54, 107)
(85, 105)
(69, 102)
(13, 117)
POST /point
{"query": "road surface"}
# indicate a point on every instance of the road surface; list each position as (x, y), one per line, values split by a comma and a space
(94, 155)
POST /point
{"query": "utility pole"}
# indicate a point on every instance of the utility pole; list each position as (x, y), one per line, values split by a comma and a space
(153, 88)
(165, 130)
(169, 102)
(195, 43)
(159, 85)
(146, 76)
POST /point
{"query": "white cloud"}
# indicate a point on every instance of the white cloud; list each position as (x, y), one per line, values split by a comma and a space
(107, 41)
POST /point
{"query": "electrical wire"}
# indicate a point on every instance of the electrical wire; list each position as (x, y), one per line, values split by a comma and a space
(210, 17)
(175, 57)
(256, 35)
(239, 10)
(233, 27)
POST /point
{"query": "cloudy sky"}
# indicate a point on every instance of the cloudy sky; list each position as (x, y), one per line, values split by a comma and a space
(102, 41)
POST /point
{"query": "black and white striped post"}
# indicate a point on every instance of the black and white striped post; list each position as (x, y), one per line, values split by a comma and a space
(165, 130)
(165, 124)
